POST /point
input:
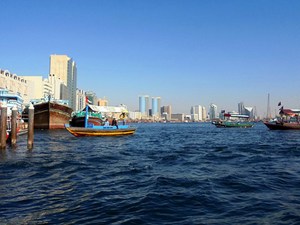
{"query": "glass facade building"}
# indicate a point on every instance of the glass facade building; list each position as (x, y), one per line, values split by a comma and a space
(144, 105)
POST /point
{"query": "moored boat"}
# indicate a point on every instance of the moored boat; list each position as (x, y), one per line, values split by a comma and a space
(12, 101)
(52, 114)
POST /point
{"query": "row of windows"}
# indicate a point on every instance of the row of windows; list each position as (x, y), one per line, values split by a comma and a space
(13, 76)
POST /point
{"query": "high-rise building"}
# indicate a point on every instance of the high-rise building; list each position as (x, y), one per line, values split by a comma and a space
(144, 105)
(241, 108)
(204, 114)
(212, 111)
(156, 105)
(250, 112)
(40, 88)
(167, 112)
(64, 68)
(196, 113)
(58, 87)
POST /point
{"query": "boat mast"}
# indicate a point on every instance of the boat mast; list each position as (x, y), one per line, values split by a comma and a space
(268, 108)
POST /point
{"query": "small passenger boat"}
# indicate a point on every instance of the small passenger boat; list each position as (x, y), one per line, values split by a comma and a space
(91, 129)
(100, 130)
(234, 121)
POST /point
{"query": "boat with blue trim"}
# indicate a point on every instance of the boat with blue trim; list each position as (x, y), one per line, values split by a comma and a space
(13, 100)
(91, 128)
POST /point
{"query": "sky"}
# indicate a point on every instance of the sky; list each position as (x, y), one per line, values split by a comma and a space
(188, 52)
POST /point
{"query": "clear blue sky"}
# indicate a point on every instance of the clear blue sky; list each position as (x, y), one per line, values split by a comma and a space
(188, 52)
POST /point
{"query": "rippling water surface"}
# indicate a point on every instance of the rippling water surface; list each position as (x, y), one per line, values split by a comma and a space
(189, 173)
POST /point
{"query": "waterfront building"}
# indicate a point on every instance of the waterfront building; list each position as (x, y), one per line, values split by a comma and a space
(250, 112)
(144, 106)
(167, 112)
(135, 115)
(179, 117)
(212, 111)
(196, 113)
(156, 105)
(241, 108)
(40, 88)
(102, 102)
(204, 114)
(59, 88)
(14, 83)
(64, 68)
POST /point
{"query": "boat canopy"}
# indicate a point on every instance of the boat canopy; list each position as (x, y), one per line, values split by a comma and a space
(236, 115)
(289, 112)
(108, 109)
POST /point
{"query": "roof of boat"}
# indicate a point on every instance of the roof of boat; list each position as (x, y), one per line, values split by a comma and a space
(236, 115)
(113, 109)
(289, 111)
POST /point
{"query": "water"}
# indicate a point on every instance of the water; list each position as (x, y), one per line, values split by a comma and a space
(187, 173)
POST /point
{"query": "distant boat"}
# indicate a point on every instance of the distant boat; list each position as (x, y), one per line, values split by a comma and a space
(234, 121)
(288, 120)
(51, 114)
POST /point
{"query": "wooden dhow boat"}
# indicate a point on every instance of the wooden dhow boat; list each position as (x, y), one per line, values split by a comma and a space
(49, 113)
(288, 120)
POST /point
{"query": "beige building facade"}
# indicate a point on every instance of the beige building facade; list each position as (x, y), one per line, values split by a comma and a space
(65, 69)
(14, 83)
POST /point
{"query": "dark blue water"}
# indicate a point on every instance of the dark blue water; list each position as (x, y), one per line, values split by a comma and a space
(187, 173)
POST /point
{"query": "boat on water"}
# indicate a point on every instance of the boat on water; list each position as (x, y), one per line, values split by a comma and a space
(92, 129)
(50, 114)
(97, 115)
(12, 100)
(94, 117)
(288, 120)
(234, 121)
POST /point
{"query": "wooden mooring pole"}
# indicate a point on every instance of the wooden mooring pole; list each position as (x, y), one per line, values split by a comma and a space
(3, 131)
(30, 127)
(13, 132)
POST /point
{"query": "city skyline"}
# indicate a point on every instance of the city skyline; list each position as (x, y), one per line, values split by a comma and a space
(189, 53)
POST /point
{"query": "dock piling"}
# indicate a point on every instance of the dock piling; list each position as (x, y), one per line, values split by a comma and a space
(3, 131)
(30, 127)
(13, 132)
